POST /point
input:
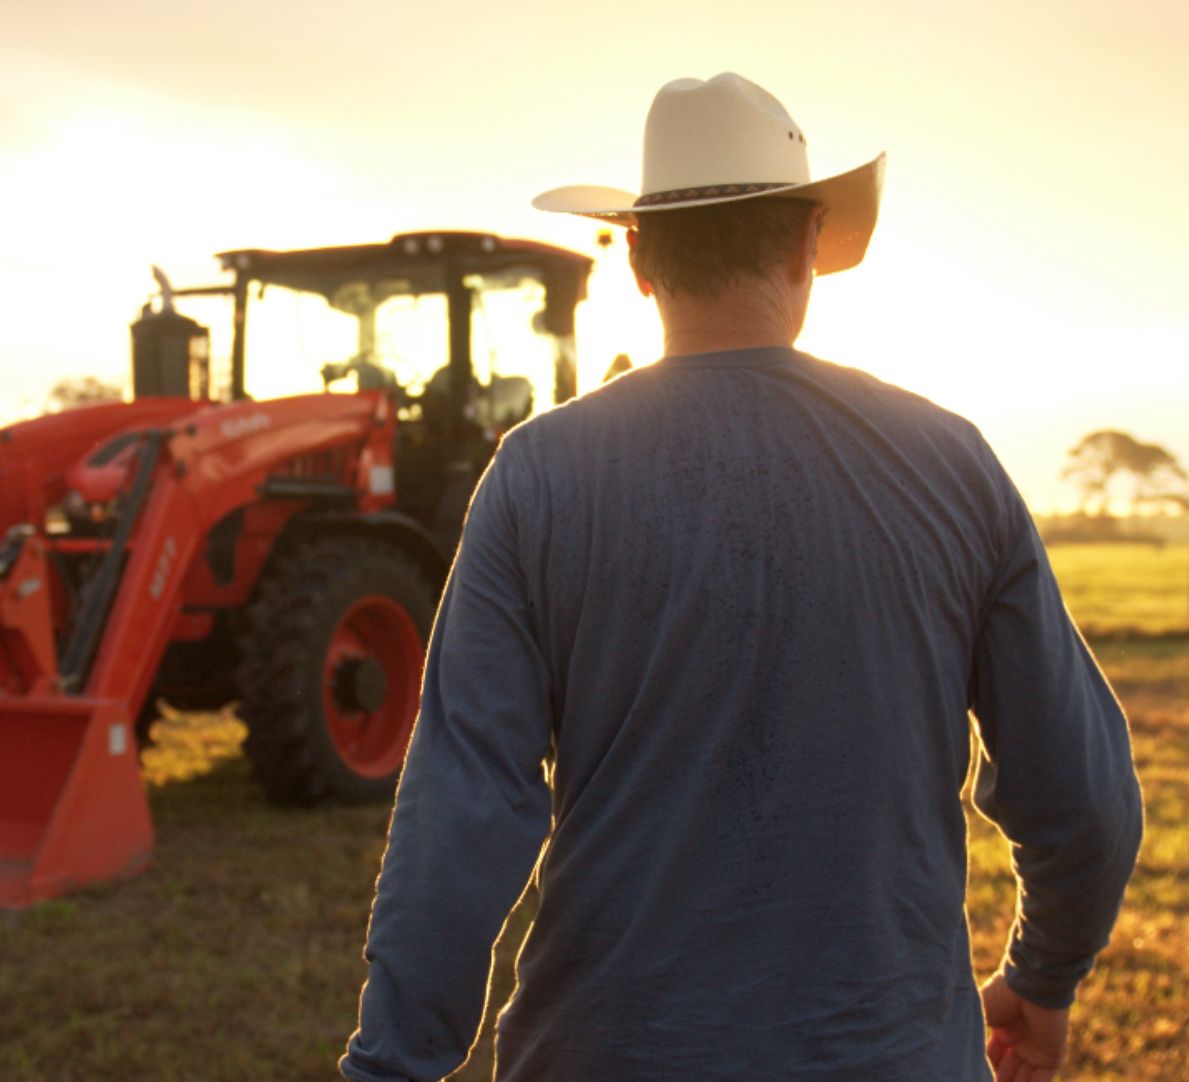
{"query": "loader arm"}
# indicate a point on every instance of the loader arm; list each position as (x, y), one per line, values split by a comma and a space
(72, 804)
(35, 455)
(219, 462)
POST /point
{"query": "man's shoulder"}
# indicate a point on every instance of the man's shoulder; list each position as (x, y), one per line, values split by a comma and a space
(568, 421)
(883, 414)
(863, 388)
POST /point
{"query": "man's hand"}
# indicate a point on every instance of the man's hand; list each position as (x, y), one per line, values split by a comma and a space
(1026, 1043)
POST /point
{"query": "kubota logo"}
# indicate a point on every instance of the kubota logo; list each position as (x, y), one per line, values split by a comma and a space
(236, 427)
(161, 573)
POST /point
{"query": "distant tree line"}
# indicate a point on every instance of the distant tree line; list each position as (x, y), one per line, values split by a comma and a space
(1157, 479)
(80, 391)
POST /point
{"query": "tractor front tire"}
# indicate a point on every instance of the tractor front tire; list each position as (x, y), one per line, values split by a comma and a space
(330, 670)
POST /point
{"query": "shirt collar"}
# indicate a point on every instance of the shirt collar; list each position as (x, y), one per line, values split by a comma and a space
(757, 357)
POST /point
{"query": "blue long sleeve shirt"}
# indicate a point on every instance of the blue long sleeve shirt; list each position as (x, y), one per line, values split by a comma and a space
(744, 604)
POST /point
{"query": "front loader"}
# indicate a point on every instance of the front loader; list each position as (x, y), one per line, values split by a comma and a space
(286, 554)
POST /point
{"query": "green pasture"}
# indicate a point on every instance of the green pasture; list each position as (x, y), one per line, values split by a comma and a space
(1116, 588)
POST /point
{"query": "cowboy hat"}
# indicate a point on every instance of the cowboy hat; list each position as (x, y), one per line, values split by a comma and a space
(728, 139)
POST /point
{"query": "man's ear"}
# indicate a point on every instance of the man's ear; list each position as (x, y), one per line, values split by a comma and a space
(642, 283)
(804, 252)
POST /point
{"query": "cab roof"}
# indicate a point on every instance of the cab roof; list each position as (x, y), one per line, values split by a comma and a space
(427, 261)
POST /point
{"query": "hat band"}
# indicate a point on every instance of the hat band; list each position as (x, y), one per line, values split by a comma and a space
(688, 195)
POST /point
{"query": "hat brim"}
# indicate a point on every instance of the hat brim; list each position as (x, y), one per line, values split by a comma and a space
(851, 200)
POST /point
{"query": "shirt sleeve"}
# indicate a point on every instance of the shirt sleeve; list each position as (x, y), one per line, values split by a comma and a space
(472, 812)
(1055, 772)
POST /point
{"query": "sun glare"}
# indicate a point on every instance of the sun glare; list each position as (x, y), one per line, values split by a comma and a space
(113, 191)
(1006, 280)
(614, 319)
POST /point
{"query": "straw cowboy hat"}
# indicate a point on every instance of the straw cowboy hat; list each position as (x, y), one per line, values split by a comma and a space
(727, 139)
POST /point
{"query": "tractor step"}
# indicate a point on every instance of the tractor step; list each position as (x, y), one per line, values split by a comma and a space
(72, 804)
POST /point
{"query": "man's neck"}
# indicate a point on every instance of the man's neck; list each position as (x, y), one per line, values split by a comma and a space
(716, 339)
(743, 318)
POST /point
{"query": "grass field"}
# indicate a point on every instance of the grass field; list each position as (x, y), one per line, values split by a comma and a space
(1120, 588)
(237, 955)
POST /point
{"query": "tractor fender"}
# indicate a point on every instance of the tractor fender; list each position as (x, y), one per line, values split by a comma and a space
(399, 529)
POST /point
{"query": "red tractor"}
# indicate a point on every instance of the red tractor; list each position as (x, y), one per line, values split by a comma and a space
(286, 554)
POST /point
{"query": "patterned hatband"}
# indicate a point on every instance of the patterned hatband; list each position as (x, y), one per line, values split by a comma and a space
(688, 195)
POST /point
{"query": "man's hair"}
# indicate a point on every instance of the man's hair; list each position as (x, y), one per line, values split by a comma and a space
(706, 250)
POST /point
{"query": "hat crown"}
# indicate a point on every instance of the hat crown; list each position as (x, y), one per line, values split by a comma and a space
(721, 131)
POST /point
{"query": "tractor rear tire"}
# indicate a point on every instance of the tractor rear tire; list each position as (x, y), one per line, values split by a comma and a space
(330, 670)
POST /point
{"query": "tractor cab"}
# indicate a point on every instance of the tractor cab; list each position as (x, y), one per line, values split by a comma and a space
(469, 333)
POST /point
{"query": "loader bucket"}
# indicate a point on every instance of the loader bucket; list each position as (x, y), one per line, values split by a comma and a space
(72, 805)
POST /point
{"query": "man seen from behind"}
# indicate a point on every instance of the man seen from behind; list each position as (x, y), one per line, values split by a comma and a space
(744, 602)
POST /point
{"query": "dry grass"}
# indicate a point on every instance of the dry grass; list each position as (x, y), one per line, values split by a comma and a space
(237, 955)
(1131, 1011)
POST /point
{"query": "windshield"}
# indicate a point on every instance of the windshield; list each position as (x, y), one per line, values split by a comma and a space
(505, 339)
(291, 335)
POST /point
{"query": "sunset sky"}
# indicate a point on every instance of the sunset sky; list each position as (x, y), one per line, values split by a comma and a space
(1030, 268)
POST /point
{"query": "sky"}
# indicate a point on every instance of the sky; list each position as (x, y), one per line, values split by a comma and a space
(1029, 269)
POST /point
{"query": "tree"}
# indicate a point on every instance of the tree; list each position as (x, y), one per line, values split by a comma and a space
(1157, 476)
(80, 391)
